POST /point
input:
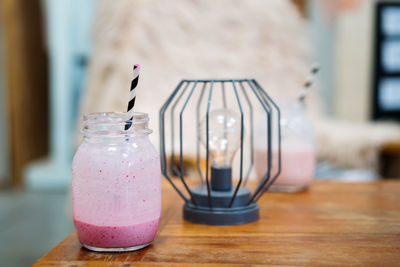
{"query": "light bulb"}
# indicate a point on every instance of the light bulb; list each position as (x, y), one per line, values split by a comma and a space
(223, 136)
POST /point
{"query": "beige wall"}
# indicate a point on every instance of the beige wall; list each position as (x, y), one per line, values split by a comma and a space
(353, 62)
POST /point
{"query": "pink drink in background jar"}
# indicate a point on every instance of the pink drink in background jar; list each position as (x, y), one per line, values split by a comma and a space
(297, 150)
(116, 184)
(298, 165)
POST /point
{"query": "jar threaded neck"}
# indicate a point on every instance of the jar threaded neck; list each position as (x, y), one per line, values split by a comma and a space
(113, 124)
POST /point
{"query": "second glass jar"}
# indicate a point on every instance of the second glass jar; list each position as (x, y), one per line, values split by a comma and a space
(297, 150)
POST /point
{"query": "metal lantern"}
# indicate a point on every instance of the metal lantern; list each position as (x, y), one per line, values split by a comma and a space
(221, 132)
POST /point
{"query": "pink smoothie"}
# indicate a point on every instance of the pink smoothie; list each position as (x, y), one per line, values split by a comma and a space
(116, 192)
(116, 236)
(298, 164)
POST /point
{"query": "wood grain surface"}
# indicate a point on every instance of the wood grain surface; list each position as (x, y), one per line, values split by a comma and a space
(331, 224)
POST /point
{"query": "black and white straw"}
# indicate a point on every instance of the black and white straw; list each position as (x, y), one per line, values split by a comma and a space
(309, 82)
(132, 95)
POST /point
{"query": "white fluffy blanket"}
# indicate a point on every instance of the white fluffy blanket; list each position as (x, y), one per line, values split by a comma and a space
(266, 40)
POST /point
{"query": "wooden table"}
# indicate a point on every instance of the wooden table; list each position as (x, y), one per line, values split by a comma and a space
(335, 224)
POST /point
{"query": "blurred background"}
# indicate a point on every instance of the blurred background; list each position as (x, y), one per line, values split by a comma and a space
(60, 59)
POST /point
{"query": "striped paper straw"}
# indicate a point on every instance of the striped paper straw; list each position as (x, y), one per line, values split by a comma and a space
(309, 82)
(132, 95)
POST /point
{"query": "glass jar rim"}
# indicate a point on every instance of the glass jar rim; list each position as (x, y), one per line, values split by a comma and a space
(115, 124)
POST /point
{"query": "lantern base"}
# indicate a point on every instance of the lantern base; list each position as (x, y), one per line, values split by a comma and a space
(220, 199)
(221, 213)
(221, 216)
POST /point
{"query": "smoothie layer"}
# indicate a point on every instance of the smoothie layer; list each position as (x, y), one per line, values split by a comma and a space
(116, 236)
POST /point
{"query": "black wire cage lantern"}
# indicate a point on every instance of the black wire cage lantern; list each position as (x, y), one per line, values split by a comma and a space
(222, 131)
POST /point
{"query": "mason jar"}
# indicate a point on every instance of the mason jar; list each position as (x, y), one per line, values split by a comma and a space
(297, 150)
(116, 183)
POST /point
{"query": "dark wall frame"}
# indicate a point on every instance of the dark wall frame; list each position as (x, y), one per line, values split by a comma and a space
(379, 71)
